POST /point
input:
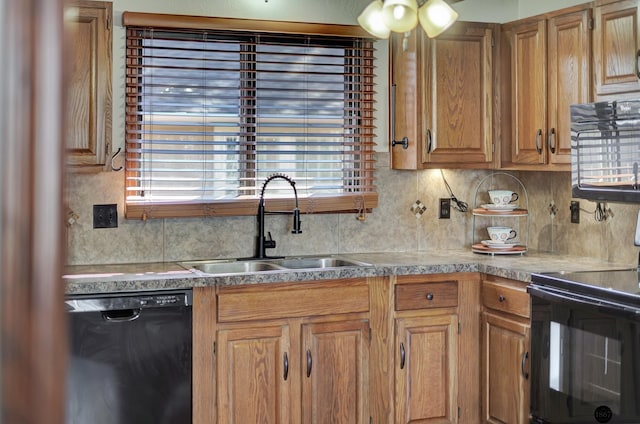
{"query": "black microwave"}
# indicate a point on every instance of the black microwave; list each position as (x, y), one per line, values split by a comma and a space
(605, 151)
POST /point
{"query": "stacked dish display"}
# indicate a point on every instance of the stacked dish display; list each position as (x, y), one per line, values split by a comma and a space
(502, 210)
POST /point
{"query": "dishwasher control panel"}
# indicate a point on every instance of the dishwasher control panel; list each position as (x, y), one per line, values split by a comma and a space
(121, 301)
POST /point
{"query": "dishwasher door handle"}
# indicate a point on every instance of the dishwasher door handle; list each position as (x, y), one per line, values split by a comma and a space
(122, 315)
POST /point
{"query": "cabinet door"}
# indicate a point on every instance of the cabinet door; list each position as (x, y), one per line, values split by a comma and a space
(615, 49)
(505, 379)
(529, 91)
(335, 364)
(254, 375)
(406, 99)
(426, 369)
(458, 101)
(569, 78)
(89, 87)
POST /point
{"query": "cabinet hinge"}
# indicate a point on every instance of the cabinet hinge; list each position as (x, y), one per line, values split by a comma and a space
(370, 335)
(493, 41)
(591, 23)
(459, 328)
(370, 420)
(214, 348)
(459, 412)
(108, 23)
(493, 147)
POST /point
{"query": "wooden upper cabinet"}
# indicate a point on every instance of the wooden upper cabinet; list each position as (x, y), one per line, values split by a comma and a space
(616, 50)
(443, 92)
(569, 78)
(88, 139)
(549, 67)
(529, 108)
(406, 101)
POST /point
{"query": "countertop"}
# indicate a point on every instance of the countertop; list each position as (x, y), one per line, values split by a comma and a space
(159, 276)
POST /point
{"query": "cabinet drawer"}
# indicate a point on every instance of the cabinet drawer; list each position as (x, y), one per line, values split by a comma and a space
(506, 297)
(292, 301)
(426, 295)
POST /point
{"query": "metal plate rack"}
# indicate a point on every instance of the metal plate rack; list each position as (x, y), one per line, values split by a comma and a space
(484, 217)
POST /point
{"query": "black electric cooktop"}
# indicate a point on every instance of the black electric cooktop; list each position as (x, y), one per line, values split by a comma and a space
(618, 285)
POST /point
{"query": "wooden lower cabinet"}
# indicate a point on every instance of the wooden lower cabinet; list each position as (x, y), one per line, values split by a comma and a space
(505, 368)
(425, 369)
(335, 369)
(379, 350)
(283, 353)
(436, 349)
(260, 373)
(253, 381)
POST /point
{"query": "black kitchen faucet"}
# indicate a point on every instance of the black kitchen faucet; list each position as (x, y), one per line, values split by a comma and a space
(262, 243)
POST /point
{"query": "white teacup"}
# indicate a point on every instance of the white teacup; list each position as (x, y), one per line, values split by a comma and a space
(502, 197)
(501, 234)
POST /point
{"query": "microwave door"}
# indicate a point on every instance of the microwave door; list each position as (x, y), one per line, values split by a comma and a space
(605, 151)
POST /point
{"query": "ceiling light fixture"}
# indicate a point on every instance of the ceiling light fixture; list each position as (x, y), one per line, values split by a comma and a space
(434, 16)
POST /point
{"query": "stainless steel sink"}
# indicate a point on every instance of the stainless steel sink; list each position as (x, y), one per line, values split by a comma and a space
(230, 267)
(317, 262)
(224, 266)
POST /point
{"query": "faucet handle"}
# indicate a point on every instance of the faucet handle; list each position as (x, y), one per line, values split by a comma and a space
(269, 243)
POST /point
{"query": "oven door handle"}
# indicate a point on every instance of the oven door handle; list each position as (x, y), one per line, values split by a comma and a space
(573, 300)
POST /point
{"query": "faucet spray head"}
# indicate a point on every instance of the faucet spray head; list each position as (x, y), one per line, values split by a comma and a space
(296, 222)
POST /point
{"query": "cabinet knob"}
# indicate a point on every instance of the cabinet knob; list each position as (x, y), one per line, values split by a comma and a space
(501, 298)
(429, 296)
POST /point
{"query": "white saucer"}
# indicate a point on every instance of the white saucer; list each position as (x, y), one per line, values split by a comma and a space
(498, 245)
(492, 207)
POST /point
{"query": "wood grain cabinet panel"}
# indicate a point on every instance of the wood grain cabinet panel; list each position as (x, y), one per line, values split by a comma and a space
(505, 377)
(442, 98)
(616, 46)
(292, 353)
(507, 298)
(550, 69)
(335, 372)
(505, 351)
(88, 139)
(253, 381)
(426, 295)
(426, 369)
(529, 108)
(429, 310)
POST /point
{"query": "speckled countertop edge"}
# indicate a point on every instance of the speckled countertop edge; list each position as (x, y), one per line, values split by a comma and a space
(164, 276)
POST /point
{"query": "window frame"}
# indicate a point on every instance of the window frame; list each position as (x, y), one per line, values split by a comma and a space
(356, 202)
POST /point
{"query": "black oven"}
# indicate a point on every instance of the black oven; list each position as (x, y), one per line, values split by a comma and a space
(585, 347)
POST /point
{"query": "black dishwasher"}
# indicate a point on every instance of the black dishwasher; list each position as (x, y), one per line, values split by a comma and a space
(129, 358)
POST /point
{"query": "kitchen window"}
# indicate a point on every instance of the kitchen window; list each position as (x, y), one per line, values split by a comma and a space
(215, 106)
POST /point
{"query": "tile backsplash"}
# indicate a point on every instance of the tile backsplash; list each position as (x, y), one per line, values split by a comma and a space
(392, 227)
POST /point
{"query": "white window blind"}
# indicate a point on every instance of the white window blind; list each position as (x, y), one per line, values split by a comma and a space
(210, 114)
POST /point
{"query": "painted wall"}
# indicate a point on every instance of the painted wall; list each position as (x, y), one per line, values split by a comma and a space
(391, 227)
(502, 11)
